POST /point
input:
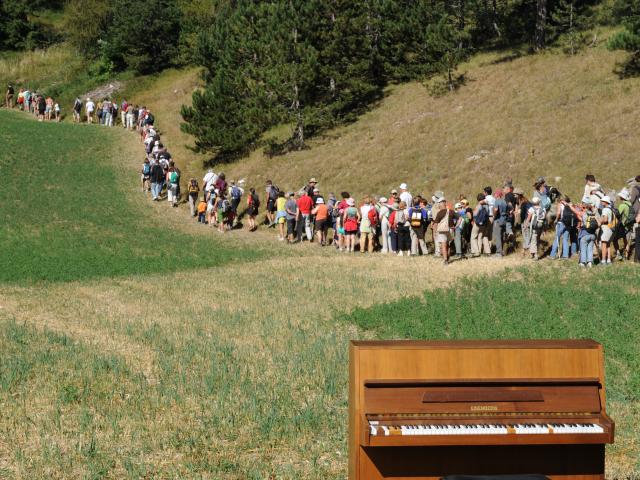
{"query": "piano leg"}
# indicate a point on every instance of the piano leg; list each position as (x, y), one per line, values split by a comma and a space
(557, 462)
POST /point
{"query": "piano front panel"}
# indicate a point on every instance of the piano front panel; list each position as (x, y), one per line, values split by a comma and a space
(560, 462)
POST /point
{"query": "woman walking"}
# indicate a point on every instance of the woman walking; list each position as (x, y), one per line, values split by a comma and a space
(402, 228)
(350, 219)
(253, 203)
(444, 221)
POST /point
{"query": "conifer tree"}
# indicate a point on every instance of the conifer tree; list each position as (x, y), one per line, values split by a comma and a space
(569, 23)
(628, 13)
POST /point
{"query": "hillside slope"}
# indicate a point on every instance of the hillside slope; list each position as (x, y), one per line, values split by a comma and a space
(549, 114)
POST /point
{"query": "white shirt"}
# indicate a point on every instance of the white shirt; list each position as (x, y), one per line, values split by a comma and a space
(608, 214)
(90, 106)
(407, 198)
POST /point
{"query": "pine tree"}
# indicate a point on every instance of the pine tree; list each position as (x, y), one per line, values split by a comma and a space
(541, 25)
(628, 12)
(447, 45)
(569, 23)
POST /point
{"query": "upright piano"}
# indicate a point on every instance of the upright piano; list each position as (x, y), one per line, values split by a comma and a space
(429, 409)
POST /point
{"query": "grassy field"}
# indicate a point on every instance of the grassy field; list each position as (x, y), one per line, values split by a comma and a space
(66, 215)
(226, 358)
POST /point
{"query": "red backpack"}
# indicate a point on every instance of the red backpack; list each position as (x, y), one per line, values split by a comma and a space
(373, 217)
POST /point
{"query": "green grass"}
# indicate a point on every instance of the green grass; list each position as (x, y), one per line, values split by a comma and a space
(66, 216)
(601, 304)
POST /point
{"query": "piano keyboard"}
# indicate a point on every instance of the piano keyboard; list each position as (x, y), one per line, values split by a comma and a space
(485, 429)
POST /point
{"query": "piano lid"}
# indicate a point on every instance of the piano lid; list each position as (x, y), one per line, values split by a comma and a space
(497, 396)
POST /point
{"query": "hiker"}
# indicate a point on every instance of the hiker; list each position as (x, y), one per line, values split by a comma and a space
(48, 109)
(235, 192)
(350, 220)
(253, 204)
(366, 234)
(383, 215)
(566, 224)
(8, 98)
(291, 207)
(305, 204)
(499, 222)
(418, 221)
(172, 180)
(402, 227)
(42, 108)
(311, 186)
(157, 179)
(202, 211)
(145, 175)
(193, 191)
(607, 222)
(89, 107)
(625, 226)
(272, 195)
(480, 229)
(462, 220)
(281, 215)
(589, 226)
(123, 112)
(338, 214)
(444, 222)
(536, 218)
(321, 216)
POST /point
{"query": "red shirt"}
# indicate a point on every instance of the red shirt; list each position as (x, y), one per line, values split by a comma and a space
(305, 204)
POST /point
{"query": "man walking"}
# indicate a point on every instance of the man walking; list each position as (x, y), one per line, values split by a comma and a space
(9, 96)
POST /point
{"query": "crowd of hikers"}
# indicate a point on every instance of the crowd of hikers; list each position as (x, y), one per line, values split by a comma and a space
(602, 227)
(41, 107)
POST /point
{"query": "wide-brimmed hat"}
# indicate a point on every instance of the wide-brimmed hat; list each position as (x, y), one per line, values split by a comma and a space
(535, 200)
(606, 199)
(290, 194)
(403, 186)
(351, 202)
(313, 180)
(587, 201)
(394, 191)
(315, 190)
(383, 200)
(518, 191)
(624, 194)
(319, 201)
(457, 205)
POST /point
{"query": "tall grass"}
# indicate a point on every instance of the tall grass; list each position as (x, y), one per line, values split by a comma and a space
(65, 216)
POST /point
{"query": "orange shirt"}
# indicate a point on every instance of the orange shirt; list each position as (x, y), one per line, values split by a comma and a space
(322, 212)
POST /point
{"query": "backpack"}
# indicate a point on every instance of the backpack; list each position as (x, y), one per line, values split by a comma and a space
(224, 205)
(146, 169)
(336, 213)
(629, 221)
(150, 119)
(236, 193)
(615, 218)
(255, 201)
(591, 223)
(537, 220)
(173, 177)
(373, 217)
(273, 192)
(445, 224)
(416, 218)
(482, 217)
(568, 217)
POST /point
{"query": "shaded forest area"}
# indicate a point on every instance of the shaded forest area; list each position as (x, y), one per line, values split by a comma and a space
(306, 64)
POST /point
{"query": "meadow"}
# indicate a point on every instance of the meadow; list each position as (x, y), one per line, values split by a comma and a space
(66, 215)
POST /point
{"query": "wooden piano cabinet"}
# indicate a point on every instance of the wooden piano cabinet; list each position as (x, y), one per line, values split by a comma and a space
(566, 462)
(459, 382)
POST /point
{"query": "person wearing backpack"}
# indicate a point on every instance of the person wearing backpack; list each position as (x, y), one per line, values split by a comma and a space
(236, 196)
(202, 211)
(500, 211)
(272, 196)
(157, 177)
(589, 226)
(193, 191)
(291, 207)
(145, 175)
(173, 179)
(535, 219)
(418, 222)
(444, 222)
(321, 215)
(366, 237)
(253, 205)
(608, 222)
(350, 220)
(480, 229)
(627, 221)
(222, 207)
(461, 222)
(566, 224)
(402, 224)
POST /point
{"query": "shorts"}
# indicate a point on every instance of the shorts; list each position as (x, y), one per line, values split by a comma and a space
(443, 237)
(252, 211)
(341, 231)
(321, 225)
(282, 220)
(291, 226)
(271, 206)
(607, 233)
